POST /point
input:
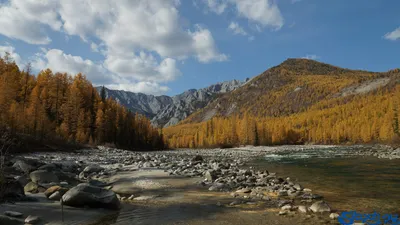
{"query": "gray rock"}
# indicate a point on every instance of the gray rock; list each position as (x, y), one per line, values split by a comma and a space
(26, 165)
(302, 209)
(56, 196)
(93, 169)
(244, 190)
(320, 206)
(13, 214)
(298, 187)
(43, 176)
(32, 219)
(211, 175)
(91, 196)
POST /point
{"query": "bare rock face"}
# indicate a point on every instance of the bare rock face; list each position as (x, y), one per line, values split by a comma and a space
(167, 111)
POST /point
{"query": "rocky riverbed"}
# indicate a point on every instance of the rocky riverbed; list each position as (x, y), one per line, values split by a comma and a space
(121, 181)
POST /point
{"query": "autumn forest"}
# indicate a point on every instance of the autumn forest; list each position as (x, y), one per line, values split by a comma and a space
(57, 106)
(297, 102)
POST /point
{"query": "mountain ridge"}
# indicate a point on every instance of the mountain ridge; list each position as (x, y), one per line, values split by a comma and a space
(165, 110)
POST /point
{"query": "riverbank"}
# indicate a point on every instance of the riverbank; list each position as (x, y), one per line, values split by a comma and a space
(155, 187)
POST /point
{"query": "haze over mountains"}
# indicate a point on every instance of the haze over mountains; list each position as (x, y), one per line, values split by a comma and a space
(167, 111)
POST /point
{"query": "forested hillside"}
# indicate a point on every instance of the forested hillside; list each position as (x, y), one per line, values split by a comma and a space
(299, 101)
(58, 106)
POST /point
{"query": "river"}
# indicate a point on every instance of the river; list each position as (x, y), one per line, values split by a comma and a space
(347, 181)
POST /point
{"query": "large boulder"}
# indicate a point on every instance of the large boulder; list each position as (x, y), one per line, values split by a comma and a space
(43, 176)
(320, 206)
(26, 165)
(93, 169)
(34, 188)
(91, 196)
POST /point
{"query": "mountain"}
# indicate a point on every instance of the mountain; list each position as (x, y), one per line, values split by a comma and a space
(298, 101)
(291, 87)
(166, 111)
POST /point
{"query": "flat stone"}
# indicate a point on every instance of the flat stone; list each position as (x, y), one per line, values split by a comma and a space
(56, 196)
(244, 190)
(286, 207)
(32, 219)
(13, 214)
(302, 209)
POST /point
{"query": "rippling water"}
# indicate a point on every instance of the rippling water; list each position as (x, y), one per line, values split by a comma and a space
(347, 181)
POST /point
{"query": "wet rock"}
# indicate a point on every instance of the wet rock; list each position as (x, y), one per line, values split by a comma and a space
(32, 219)
(92, 169)
(210, 175)
(25, 165)
(236, 202)
(91, 196)
(145, 197)
(13, 214)
(320, 206)
(51, 190)
(286, 207)
(282, 212)
(56, 196)
(244, 190)
(298, 187)
(43, 176)
(302, 209)
(334, 216)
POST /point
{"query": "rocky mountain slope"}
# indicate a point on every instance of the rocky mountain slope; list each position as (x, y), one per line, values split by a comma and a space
(165, 110)
(292, 87)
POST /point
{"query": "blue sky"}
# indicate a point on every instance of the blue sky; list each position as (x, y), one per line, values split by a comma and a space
(169, 46)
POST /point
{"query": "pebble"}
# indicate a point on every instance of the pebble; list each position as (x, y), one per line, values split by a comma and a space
(333, 216)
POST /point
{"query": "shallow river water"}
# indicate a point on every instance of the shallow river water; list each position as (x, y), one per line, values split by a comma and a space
(347, 181)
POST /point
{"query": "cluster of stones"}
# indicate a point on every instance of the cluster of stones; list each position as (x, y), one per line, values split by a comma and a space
(65, 177)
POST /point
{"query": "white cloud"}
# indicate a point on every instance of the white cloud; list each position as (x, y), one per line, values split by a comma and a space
(15, 56)
(216, 6)
(311, 56)
(143, 87)
(143, 67)
(394, 35)
(140, 77)
(58, 61)
(125, 29)
(237, 29)
(26, 19)
(264, 13)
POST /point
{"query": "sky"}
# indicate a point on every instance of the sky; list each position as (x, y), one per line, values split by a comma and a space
(168, 46)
